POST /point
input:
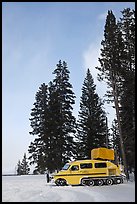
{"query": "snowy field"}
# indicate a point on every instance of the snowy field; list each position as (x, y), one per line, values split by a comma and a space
(33, 188)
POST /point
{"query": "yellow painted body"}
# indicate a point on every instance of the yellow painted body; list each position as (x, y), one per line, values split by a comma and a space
(87, 168)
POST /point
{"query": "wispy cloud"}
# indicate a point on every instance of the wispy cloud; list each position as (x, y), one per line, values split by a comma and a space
(90, 57)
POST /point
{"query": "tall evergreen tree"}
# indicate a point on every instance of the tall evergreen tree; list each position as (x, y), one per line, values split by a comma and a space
(91, 123)
(65, 122)
(127, 26)
(112, 55)
(53, 123)
(39, 149)
(113, 69)
(53, 126)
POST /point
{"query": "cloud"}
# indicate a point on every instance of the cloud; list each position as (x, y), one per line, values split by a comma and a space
(90, 58)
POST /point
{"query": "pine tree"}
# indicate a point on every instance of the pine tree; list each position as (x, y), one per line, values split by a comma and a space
(91, 123)
(39, 149)
(63, 99)
(112, 55)
(54, 162)
(127, 26)
(25, 166)
(53, 123)
(19, 168)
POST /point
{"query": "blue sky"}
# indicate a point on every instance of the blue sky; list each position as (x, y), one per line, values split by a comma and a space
(35, 36)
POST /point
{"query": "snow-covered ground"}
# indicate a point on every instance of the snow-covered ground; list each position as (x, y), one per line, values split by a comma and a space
(34, 188)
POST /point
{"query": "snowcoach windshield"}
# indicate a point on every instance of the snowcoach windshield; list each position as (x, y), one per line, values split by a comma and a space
(66, 166)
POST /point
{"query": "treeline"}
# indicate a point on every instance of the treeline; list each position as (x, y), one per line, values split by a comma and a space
(59, 136)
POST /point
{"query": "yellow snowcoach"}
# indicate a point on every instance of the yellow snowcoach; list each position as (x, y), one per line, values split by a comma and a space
(95, 171)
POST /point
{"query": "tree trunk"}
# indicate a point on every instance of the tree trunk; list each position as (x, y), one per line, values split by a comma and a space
(107, 141)
(114, 87)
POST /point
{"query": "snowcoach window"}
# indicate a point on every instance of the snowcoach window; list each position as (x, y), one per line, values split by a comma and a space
(100, 165)
(66, 166)
(75, 168)
(86, 165)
